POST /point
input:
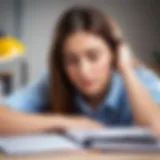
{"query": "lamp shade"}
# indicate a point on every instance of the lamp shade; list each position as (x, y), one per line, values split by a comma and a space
(10, 47)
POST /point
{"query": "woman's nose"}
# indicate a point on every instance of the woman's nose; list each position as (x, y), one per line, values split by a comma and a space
(84, 68)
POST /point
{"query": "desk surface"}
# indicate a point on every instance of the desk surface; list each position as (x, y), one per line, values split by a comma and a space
(85, 155)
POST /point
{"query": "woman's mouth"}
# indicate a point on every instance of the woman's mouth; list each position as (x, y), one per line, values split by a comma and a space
(86, 83)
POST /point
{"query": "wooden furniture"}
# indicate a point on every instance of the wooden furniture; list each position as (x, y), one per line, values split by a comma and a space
(85, 155)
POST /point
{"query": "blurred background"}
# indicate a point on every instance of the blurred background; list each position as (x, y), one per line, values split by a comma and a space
(31, 22)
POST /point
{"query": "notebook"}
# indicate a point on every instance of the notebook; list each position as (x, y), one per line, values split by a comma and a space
(37, 143)
(117, 139)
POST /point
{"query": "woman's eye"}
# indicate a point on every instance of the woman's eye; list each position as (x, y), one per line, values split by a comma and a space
(93, 56)
(71, 60)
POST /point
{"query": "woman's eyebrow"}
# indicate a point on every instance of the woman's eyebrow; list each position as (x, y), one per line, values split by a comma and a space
(69, 54)
(91, 50)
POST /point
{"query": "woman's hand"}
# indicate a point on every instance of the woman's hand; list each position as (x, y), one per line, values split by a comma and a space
(125, 59)
(145, 110)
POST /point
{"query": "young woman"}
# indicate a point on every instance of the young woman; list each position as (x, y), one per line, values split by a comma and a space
(92, 82)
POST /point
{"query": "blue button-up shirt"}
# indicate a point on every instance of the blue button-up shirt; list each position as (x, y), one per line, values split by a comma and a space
(114, 109)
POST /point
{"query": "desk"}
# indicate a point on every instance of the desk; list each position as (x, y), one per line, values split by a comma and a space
(86, 155)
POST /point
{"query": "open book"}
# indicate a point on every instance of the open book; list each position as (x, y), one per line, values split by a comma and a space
(37, 143)
(109, 139)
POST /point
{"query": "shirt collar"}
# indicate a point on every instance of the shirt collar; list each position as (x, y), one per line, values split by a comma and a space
(111, 99)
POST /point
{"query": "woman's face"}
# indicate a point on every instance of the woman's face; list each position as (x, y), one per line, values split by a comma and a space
(87, 62)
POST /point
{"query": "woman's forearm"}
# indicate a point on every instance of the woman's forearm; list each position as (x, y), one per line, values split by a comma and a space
(145, 110)
(14, 122)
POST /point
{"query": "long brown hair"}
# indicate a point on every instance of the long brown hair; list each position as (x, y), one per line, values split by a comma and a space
(76, 18)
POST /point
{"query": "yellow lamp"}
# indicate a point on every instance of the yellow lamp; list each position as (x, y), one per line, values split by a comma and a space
(11, 53)
(10, 47)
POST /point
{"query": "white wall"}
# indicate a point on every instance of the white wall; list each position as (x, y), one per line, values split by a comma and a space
(8, 25)
(7, 16)
(139, 20)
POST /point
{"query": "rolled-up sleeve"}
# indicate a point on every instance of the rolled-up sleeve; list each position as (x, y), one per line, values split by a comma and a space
(32, 98)
(152, 83)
